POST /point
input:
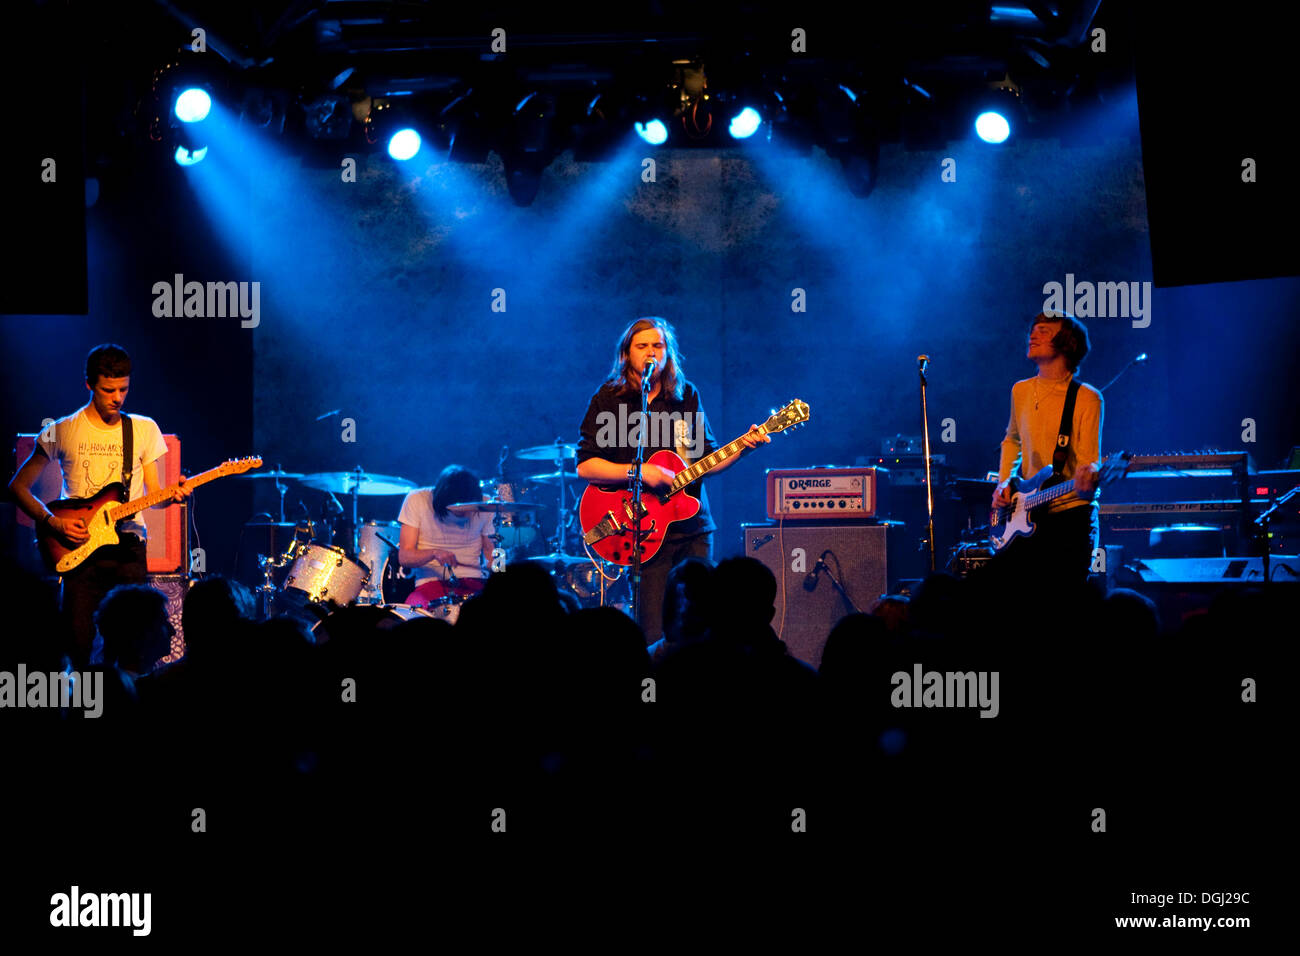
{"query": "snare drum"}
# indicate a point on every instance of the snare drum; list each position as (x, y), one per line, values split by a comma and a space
(443, 600)
(326, 574)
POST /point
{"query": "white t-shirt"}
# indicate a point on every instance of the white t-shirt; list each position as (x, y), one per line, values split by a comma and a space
(462, 534)
(89, 454)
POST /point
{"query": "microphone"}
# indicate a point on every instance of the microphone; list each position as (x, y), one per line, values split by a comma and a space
(810, 582)
(759, 542)
(1140, 359)
(332, 505)
(647, 373)
(923, 361)
(321, 418)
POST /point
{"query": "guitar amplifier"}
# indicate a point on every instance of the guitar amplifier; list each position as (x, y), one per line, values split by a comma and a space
(825, 494)
(857, 556)
(166, 545)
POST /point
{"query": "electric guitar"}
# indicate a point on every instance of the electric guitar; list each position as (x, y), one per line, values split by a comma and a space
(1013, 520)
(105, 509)
(607, 516)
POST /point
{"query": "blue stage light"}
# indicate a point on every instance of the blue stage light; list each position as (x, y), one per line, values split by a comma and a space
(992, 127)
(404, 144)
(192, 105)
(654, 132)
(745, 123)
(184, 157)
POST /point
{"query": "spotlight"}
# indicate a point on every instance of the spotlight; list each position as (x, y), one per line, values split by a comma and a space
(192, 105)
(745, 123)
(654, 132)
(186, 157)
(404, 144)
(992, 127)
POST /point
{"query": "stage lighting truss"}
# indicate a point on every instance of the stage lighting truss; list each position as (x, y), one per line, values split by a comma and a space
(328, 116)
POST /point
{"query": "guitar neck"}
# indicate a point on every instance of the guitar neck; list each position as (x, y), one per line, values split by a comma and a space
(161, 495)
(1049, 494)
(704, 465)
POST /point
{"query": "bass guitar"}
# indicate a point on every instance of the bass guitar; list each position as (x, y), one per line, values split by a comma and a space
(105, 509)
(1014, 520)
(607, 516)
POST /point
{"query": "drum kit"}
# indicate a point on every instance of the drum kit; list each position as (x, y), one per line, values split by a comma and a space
(310, 565)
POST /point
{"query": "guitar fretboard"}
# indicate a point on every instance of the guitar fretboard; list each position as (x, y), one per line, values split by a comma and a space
(162, 494)
(687, 475)
(1049, 494)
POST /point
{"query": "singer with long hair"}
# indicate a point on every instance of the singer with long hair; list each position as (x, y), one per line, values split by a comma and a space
(647, 357)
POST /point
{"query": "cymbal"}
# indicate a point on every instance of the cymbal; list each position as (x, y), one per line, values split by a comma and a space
(551, 452)
(493, 504)
(343, 483)
(568, 560)
(274, 473)
(555, 476)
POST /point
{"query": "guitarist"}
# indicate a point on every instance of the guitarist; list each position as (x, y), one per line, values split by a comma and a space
(88, 445)
(607, 449)
(1039, 434)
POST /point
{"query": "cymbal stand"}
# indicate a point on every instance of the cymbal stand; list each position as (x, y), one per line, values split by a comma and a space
(563, 515)
(356, 527)
(281, 487)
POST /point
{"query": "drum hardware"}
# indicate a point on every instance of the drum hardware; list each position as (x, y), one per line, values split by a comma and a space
(271, 563)
(279, 475)
(498, 508)
(356, 483)
(587, 579)
(558, 453)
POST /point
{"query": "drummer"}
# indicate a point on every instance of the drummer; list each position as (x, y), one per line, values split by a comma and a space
(445, 550)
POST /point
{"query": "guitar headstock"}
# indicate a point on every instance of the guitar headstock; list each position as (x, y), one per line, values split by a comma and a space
(791, 416)
(236, 466)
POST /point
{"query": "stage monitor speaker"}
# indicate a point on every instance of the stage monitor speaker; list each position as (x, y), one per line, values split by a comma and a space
(167, 544)
(857, 558)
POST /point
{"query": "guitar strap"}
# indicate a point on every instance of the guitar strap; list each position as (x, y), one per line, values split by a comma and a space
(1066, 429)
(128, 458)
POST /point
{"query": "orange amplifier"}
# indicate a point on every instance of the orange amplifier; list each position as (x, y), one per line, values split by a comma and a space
(827, 494)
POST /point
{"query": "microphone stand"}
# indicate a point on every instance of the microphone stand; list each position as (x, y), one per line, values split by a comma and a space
(922, 362)
(1262, 524)
(1134, 361)
(634, 475)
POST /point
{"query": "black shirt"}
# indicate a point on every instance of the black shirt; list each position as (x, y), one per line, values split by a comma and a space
(609, 431)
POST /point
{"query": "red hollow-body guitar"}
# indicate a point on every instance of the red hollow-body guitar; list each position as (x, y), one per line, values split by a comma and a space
(607, 516)
(104, 510)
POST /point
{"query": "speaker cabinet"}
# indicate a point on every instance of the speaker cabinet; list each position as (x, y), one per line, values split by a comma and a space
(854, 554)
(166, 547)
(174, 587)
